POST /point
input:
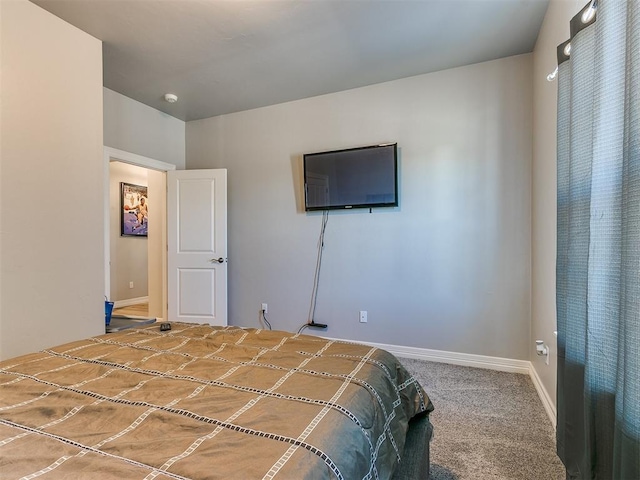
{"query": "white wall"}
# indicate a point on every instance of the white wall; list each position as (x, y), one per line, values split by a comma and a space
(51, 187)
(1, 162)
(129, 255)
(554, 31)
(449, 269)
(137, 128)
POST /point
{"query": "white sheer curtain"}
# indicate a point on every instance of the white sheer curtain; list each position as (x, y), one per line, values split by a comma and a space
(598, 265)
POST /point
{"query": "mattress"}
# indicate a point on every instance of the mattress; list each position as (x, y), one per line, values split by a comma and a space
(202, 402)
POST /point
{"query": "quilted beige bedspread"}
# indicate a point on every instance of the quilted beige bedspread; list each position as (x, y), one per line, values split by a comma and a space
(205, 402)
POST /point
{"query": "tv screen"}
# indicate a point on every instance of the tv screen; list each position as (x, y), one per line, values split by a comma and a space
(364, 177)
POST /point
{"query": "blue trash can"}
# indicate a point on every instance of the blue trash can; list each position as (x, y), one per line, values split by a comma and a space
(108, 309)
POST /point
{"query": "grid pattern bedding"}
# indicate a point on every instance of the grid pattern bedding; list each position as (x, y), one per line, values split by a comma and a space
(206, 402)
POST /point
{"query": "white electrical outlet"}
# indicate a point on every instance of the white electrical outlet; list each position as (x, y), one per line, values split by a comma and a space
(363, 316)
(264, 308)
(130, 284)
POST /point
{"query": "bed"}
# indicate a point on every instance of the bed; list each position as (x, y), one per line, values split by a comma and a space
(202, 402)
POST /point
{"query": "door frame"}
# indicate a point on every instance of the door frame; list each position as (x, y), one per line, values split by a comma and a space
(114, 155)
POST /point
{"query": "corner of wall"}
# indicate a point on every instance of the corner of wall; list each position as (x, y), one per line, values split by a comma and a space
(554, 30)
(547, 402)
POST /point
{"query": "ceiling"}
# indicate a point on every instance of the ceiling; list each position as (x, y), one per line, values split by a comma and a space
(226, 56)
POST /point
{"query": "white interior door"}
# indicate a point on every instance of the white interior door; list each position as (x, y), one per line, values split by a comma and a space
(197, 246)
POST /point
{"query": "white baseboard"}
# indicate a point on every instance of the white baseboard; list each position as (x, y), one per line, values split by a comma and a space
(547, 403)
(477, 361)
(455, 358)
(130, 301)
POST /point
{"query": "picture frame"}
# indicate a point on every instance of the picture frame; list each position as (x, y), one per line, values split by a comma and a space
(134, 208)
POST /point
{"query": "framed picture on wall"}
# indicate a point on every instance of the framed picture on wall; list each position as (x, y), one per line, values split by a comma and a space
(134, 209)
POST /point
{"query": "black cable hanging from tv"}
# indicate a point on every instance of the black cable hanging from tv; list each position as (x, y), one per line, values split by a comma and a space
(316, 280)
(264, 317)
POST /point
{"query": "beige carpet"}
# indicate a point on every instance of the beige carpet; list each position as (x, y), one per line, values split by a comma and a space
(487, 425)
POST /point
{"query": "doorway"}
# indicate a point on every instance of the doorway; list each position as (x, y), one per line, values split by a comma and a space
(156, 241)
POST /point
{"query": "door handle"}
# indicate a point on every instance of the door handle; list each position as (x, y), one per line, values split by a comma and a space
(217, 260)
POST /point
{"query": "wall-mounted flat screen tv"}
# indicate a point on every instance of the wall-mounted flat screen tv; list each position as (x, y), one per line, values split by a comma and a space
(363, 177)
